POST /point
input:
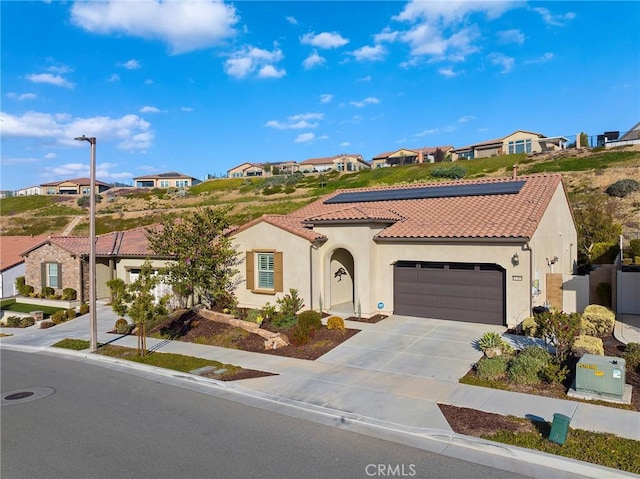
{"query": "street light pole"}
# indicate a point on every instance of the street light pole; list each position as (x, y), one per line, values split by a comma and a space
(93, 322)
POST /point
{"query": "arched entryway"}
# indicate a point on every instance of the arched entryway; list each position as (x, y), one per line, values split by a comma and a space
(342, 280)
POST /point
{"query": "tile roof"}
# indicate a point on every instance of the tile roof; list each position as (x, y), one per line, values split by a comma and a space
(131, 242)
(425, 150)
(292, 224)
(76, 181)
(171, 174)
(329, 159)
(12, 246)
(485, 216)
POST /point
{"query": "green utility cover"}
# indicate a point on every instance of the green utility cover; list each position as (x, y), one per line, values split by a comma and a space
(602, 375)
(559, 428)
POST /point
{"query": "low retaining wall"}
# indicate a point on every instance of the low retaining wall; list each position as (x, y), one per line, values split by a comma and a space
(272, 340)
(53, 303)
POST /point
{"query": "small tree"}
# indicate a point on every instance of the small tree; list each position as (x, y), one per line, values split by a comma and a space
(558, 329)
(205, 260)
(584, 140)
(593, 215)
(138, 301)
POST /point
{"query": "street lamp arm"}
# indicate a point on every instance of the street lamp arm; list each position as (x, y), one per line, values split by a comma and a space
(91, 139)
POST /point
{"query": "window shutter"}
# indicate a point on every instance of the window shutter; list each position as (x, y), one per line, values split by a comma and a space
(249, 264)
(278, 283)
(60, 275)
(43, 274)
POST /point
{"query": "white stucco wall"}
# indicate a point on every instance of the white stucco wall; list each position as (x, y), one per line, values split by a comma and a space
(8, 280)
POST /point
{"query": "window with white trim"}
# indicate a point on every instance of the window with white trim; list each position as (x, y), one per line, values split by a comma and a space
(519, 146)
(266, 271)
(164, 183)
(53, 277)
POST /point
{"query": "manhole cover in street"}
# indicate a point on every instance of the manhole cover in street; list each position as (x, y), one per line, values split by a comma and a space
(21, 396)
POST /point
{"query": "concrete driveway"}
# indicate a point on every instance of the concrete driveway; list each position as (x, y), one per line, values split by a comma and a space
(422, 347)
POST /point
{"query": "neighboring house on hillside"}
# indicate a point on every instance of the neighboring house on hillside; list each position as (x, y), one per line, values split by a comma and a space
(63, 261)
(632, 137)
(248, 170)
(165, 180)
(343, 162)
(476, 251)
(519, 141)
(29, 191)
(76, 186)
(405, 156)
(6, 193)
(11, 263)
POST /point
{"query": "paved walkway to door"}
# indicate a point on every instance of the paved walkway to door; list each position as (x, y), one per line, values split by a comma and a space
(422, 347)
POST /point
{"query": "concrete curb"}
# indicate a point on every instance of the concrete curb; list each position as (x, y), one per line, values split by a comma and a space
(509, 458)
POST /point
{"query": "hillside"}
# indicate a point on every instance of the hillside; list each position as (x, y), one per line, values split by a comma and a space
(586, 172)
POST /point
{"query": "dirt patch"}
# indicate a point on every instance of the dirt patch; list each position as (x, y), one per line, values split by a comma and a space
(373, 319)
(472, 422)
(238, 375)
(191, 327)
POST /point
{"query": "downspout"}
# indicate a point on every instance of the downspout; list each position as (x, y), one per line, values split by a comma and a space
(527, 247)
(312, 246)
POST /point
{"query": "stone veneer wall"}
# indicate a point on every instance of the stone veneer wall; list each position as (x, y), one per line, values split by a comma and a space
(50, 253)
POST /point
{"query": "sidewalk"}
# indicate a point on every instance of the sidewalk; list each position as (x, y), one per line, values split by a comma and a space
(395, 402)
(627, 328)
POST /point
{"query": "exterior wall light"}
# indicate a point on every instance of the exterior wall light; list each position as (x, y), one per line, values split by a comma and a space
(515, 260)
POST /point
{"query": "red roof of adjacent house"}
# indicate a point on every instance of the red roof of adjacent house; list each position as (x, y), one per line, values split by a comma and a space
(329, 159)
(131, 242)
(159, 176)
(76, 181)
(12, 246)
(514, 215)
(290, 223)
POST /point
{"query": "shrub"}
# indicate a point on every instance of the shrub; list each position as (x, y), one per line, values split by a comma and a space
(632, 356)
(559, 329)
(84, 308)
(622, 188)
(71, 313)
(122, 326)
(524, 369)
(288, 306)
(492, 369)
(587, 345)
(597, 320)
(69, 294)
(604, 252)
(20, 286)
(48, 292)
(13, 321)
(529, 326)
(28, 290)
(541, 355)
(58, 317)
(299, 335)
(310, 319)
(634, 244)
(269, 312)
(46, 324)
(452, 172)
(335, 322)
(27, 321)
(554, 372)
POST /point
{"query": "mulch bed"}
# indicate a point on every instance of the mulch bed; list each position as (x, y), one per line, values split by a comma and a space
(373, 319)
(191, 327)
(241, 374)
(472, 422)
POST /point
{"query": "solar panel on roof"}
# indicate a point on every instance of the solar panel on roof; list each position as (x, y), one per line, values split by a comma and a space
(476, 189)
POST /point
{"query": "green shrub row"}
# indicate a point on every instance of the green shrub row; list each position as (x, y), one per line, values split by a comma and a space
(532, 365)
(19, 322)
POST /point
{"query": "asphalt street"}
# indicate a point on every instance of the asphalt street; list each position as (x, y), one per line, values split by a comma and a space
(100, 421)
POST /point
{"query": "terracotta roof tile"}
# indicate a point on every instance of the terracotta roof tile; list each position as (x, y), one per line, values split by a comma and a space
(292, 224)
(356, 213)
(11, 248)
(487, 216)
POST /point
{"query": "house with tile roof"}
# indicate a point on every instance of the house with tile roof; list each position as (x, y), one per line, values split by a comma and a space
(76, 186)
(406, 156)
(248, 170)
(11, 262)
(171, 179)
(477, 250)
(519, 141)
(343, 162)
(63, 261)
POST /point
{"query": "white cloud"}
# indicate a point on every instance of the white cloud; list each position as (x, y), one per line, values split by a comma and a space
(56, 80)
(313, 60)
(148, 81)
(386, 35)
(511, 36)
(447, 72)
(452, 11)
(70, 170)
(304, 138)
(17, 161)
(554, 20)
(296, 122)
(466, 119)
(324, 40)
(50, 156)
(130, 131)
(345, 143)
(430, 131)
(269, 71)
(113, 78)
(547, 57)
(22, 96)
(186, 108)
(367, 53)
(500, 59)
(130, 65)
(184, 26)
(367, 101)
(364, 79)
(292, 20)
(149, 109)
(249, 59)
(326, 98)
(60, 69)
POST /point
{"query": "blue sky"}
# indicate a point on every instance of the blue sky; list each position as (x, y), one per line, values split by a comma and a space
(199, 87)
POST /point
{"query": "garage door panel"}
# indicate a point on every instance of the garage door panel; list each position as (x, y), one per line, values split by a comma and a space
(471, 293)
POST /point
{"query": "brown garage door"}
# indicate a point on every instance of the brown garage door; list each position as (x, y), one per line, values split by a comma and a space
(455, 291)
